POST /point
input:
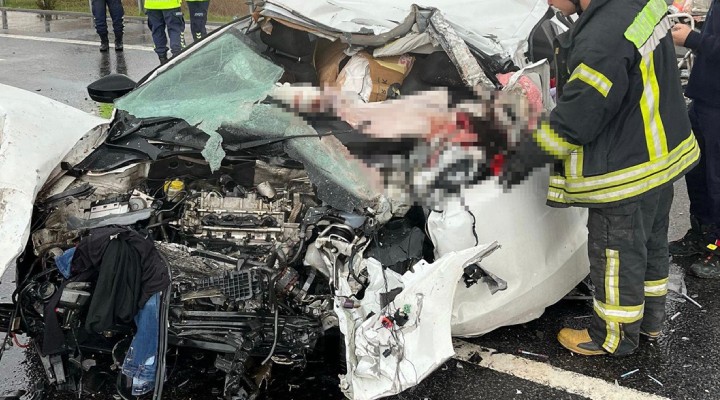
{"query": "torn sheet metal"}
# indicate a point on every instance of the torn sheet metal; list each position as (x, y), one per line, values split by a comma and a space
(543, 254)
(392, 349)
(27, 119)
(412, 42)
(441, 31)
(495, 29)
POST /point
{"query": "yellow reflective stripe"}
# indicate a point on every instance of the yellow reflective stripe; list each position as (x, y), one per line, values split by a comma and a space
(612, 277)
(551, 142)
(612, 297)
(574, 165)
(656, 288)
(632, 174)
(612, 337)
(650, 108)
(642, 27)
(661, 30)
(558, 191)
(619, 314)
(593, 78)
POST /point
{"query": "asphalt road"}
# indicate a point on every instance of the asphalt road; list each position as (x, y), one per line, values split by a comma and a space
(59, 58)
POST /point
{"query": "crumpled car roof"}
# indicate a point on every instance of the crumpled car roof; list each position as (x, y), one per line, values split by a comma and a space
(496, 28)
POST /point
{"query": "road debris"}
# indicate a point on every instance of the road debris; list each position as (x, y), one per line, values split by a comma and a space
(625, 375)
(690, 299)
(528, 353)
(675, 316)
(655, 380)
(685, 338)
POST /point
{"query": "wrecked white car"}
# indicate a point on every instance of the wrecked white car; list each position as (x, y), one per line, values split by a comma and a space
(237, 209)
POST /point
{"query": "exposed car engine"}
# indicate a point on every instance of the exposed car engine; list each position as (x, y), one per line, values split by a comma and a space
(250, 266)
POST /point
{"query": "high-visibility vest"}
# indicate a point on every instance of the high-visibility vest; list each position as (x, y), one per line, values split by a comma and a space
(162, 4)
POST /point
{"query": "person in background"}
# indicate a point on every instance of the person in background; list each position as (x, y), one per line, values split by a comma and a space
(703, 182)
(621, 131)
(166, 15)
(198, 18)
(116, 13)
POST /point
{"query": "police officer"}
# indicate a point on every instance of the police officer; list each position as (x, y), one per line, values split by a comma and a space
(116, 13)
(622, 136)
(164, 14)
(198, 18)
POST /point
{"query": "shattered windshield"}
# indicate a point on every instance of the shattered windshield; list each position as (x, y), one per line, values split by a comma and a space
(214, 85)
(218, 89)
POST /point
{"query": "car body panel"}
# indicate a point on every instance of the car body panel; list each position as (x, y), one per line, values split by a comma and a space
(36, 134)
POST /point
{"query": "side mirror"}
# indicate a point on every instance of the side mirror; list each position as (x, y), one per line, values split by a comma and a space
(111, 87)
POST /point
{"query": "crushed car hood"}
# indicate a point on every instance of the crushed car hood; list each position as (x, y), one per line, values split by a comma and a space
(27, 119)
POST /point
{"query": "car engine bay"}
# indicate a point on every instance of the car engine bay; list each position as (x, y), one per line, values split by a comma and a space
(253, 266)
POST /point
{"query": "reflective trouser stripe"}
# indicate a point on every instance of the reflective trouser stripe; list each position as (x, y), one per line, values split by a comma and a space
(612, 297)
(612, 340)
(619, 314)
(610, 310)
(650, 108)
(656, 288)
(612, 278)
(593, 78)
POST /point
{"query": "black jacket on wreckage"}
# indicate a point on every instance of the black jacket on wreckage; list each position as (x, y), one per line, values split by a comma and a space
(620, 127)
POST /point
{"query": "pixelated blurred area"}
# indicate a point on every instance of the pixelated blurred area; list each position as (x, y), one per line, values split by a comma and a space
(421, 126)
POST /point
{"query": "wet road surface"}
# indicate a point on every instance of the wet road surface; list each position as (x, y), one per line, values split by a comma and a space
(59, 57)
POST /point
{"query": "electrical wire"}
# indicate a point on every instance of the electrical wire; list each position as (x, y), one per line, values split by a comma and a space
(275, 338)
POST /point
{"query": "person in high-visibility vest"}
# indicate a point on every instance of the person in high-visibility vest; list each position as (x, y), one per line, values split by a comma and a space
(198, 18)
(164, 14)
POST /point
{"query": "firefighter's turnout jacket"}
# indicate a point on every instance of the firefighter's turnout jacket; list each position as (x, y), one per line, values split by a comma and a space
(620, 126)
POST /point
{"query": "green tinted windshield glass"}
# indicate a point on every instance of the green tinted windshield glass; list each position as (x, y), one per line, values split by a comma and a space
(214, 85)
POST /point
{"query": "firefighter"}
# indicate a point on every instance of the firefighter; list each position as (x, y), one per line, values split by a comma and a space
(116, 13)
(703, 182)
(622, 136)
(198, 10)
(162, 15)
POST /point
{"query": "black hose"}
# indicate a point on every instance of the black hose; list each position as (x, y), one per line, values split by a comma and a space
(275, 340)
(351, 267)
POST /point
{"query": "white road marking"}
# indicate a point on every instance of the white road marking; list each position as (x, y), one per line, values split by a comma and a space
(69, 41)
(547, 375)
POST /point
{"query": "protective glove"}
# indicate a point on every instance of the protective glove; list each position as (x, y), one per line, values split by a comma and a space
(525, 157)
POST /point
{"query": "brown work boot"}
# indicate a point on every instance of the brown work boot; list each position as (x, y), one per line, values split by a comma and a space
(579, 341)
(651, 336)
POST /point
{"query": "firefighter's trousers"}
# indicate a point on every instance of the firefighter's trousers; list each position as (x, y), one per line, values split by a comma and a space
(629, 267)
